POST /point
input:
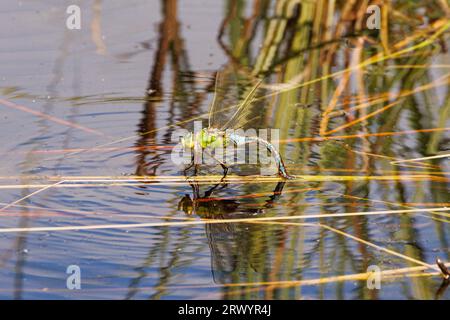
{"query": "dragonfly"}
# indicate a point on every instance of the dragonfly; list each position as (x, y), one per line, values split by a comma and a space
(223, 115)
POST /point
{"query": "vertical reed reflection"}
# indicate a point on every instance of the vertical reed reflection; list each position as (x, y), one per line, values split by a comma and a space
(299, 44)
(169, 43)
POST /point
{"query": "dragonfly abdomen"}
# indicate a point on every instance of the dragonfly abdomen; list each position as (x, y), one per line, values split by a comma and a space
(273, 152)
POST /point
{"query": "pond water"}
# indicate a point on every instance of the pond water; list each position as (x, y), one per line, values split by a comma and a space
(88, 180)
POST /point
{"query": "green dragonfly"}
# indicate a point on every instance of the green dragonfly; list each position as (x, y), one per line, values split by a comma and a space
(223, 115)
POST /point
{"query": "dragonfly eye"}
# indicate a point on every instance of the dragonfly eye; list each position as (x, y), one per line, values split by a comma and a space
(187, 141)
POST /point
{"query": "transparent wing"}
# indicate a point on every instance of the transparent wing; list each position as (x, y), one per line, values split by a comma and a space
(232, 104)
(224, 98)
(244, 112)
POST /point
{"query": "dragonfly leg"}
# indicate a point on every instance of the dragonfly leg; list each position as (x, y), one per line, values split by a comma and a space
(224, 167)
(225, 171)
(188, 167)
(195, 190)
(193, 184)
(192, 164)
(210, 190)
(279, 188)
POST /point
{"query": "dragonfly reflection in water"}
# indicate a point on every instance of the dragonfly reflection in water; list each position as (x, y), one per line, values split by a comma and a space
(229, 243)
(224, 116)
(232, 244)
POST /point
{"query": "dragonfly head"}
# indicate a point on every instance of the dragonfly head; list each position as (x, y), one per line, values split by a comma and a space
(187, 141)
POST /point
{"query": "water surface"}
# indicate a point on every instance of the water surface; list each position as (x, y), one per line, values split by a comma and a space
(96, 109)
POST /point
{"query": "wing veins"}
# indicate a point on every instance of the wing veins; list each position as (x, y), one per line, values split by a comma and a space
(247, 101)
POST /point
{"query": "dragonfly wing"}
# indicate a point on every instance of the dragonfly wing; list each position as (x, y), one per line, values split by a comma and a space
(234, 93)
(244, 113)
(224, 98)
(218, 97)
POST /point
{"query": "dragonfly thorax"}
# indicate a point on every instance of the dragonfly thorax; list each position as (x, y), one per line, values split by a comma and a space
(205, 138)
